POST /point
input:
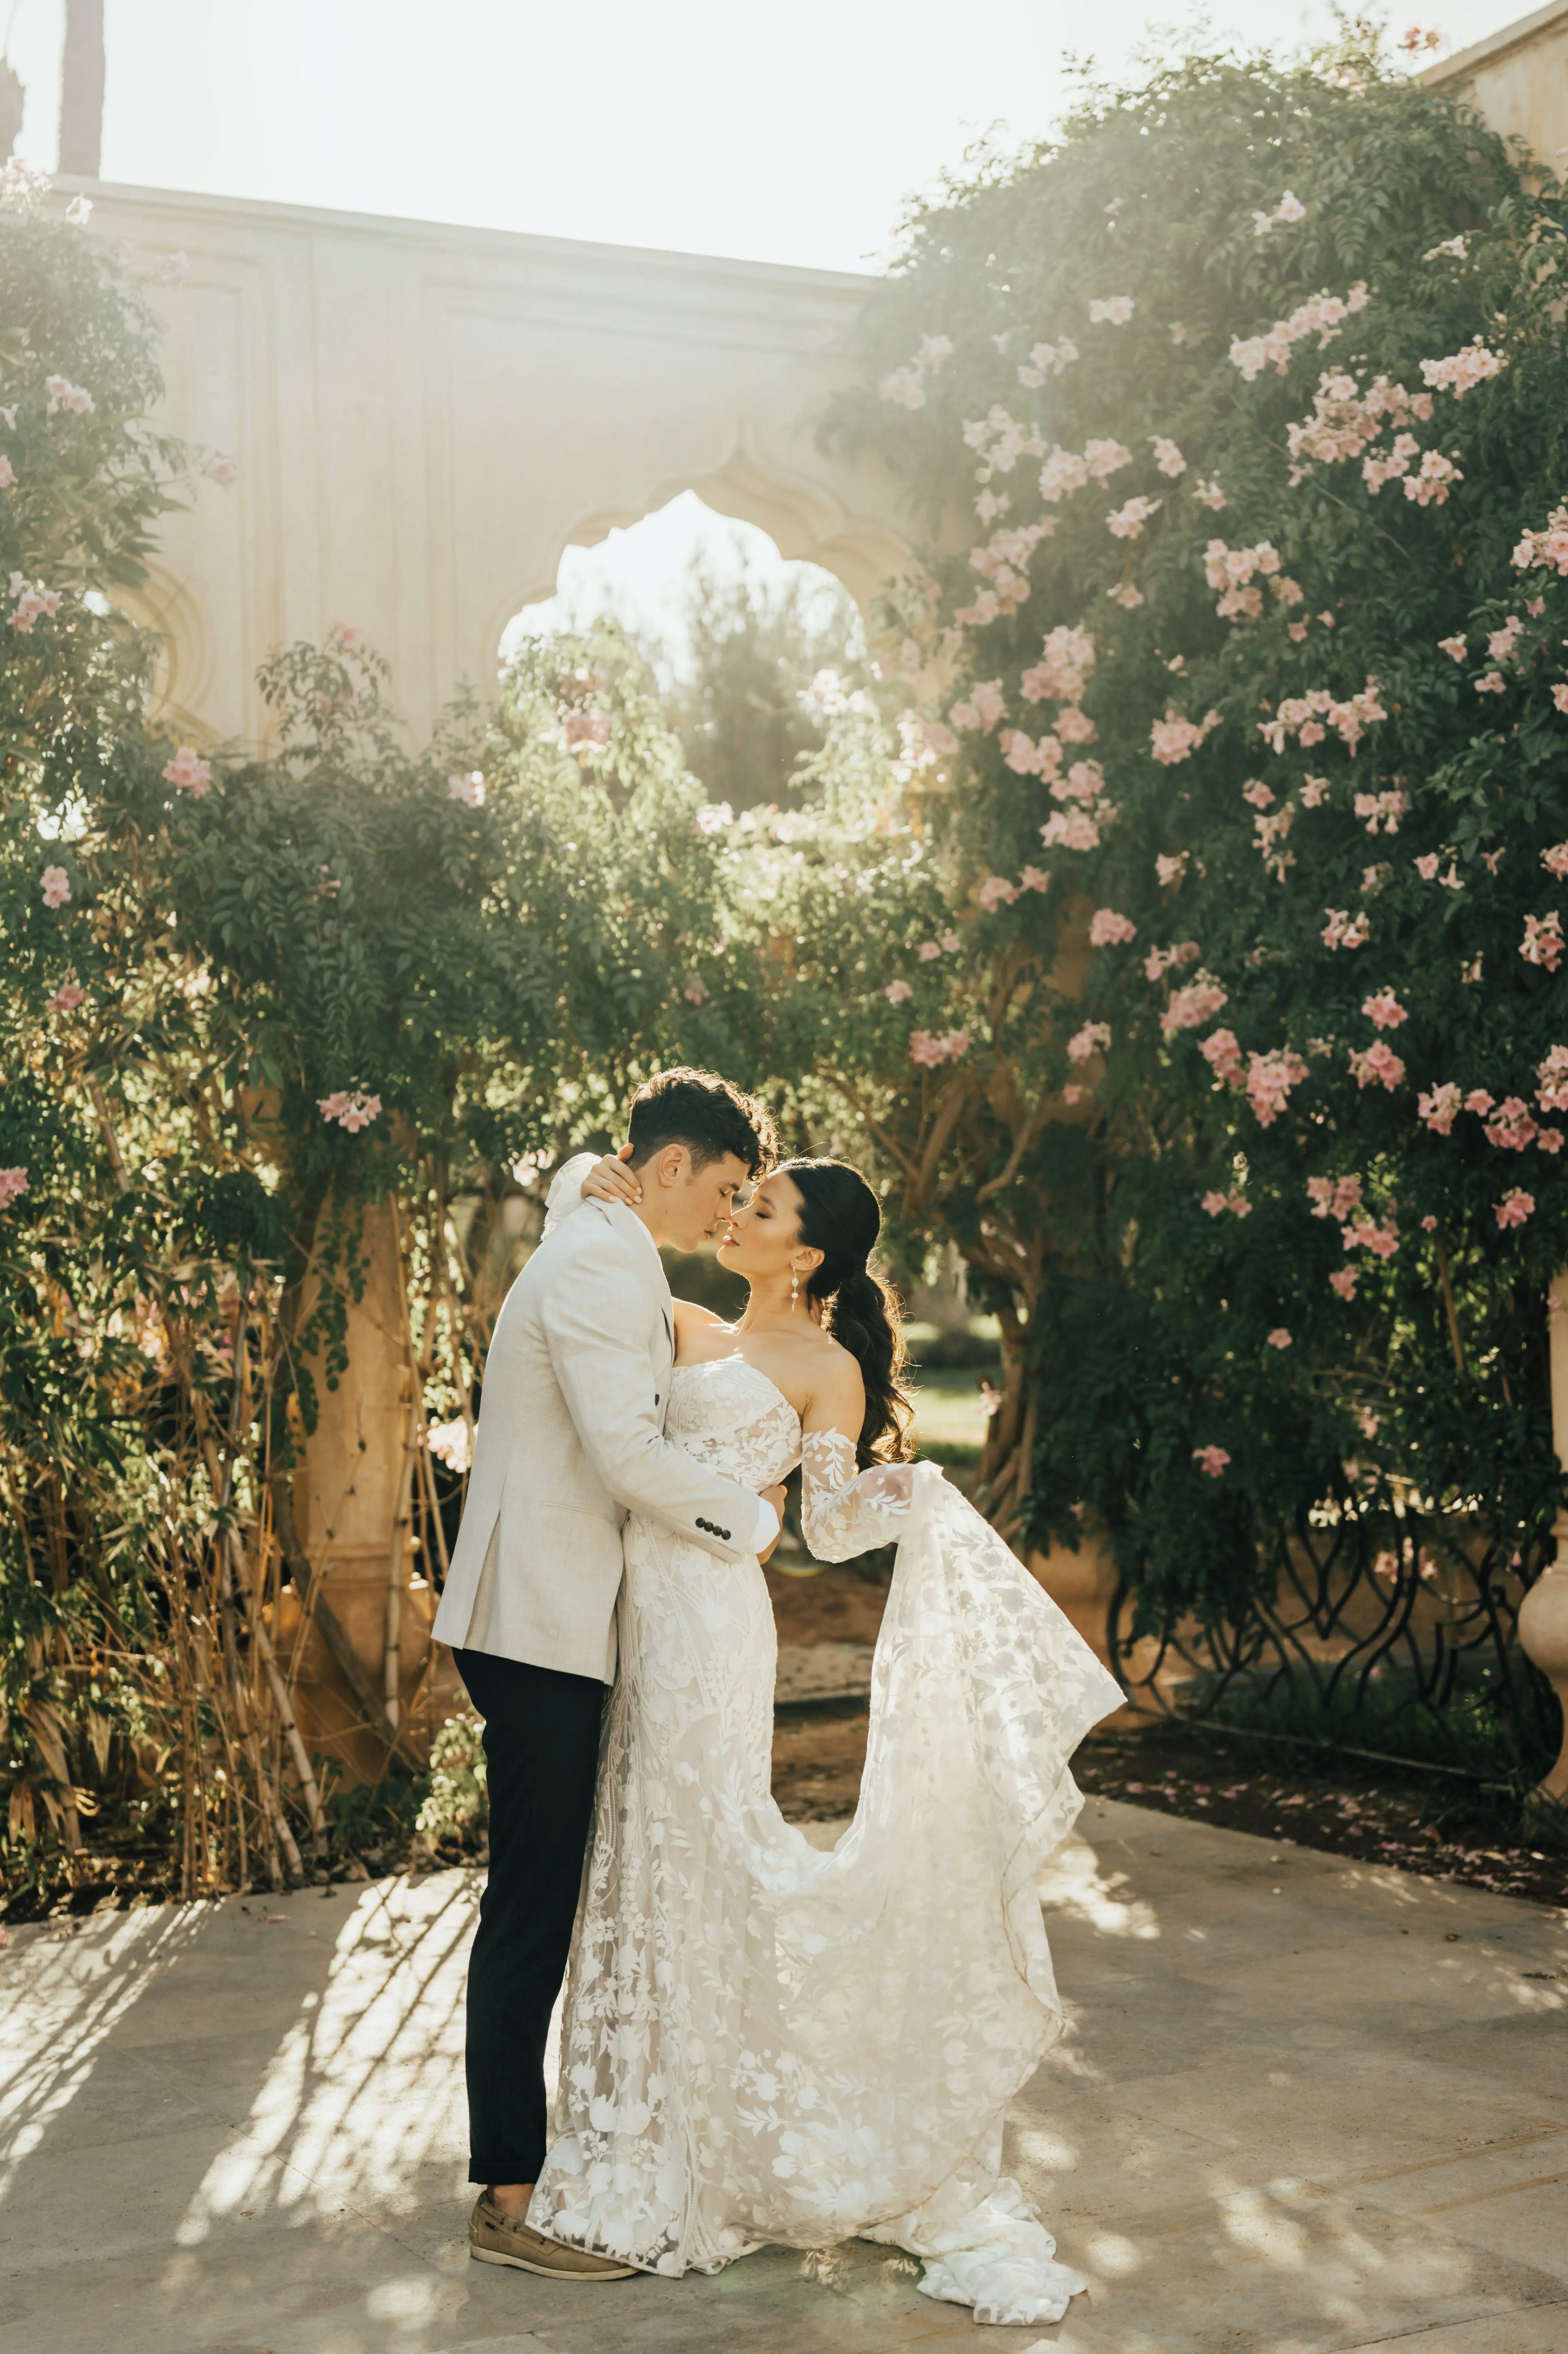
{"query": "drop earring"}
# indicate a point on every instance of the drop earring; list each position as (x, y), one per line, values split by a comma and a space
(794, 1290)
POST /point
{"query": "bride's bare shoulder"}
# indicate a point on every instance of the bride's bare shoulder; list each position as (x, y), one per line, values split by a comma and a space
(692, 1318)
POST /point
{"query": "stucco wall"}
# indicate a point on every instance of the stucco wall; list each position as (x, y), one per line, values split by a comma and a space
(1518, 78)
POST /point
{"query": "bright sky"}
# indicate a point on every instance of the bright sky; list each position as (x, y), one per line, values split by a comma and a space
(785, 134)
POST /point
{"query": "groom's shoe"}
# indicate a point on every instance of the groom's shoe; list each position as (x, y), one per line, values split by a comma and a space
(496, 2238)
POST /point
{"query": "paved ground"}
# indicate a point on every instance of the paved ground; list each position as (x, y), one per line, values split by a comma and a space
(1305, 2105)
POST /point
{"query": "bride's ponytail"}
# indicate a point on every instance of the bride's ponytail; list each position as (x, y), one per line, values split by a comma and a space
(840, 1217)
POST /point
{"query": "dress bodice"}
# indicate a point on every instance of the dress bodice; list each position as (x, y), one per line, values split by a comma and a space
(731, 1417)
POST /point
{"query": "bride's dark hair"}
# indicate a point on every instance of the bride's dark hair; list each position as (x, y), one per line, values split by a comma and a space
(840, 1217)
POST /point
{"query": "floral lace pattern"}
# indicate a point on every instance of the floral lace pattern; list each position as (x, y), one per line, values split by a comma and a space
(764, 2043)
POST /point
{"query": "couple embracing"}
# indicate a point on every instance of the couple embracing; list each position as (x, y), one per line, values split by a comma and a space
(762, 2042)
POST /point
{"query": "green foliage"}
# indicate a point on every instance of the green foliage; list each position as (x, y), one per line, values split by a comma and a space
(457, 1805)
(1190, 684)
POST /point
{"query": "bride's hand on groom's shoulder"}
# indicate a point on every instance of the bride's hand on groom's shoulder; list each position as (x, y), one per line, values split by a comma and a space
(612, 1180)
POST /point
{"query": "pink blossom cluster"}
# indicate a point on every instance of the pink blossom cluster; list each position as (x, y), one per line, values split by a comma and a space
(223, 472)
(1344, 930)
(1502, 642)
(1545, 550)
(1542, 941)
(948, 944)
(1378, 1064)
(7, 478)
(1455, 248)
(1270, 1080)
(1314, 791)
(1108, 930)
(1237, 1203)
(1167, 456)
(1366, 1234)
(996, 892)
(1197, 1001)
(1551, 1094)
(905, 384)
(999, 440)
(1029, 757)
(1093, 1038)
(1345, 420)
(1209, 494)
(468, 788)
(1127, 522)
(12, 1182)
(928, 1050)
(1334, 1197)
(1113, 311)
(1430, 485)
(1383, 1010)
(1260, 795)
(1383, 810)
(1463, 371)
(1071, 830)
(1160, 961)
(352, 1108)
(29, 599)
(1438, 1107)
(65, 395)
(922, 744)
(1047, 359)
(55, 884)
(1004, 562)
(1343, 1281)
(1515, 1207)
(1211, 1460)
(452, 1443)
(714, 818)
(1063, 670)
(898, 993)
(1268, 835)
(1310, 716)
(1289, 208)
(982, 708)
(68, 996)
(188, 773)
(1222, 1052)
(1174, 738)
(1322, 315)
(1512, 1126)
(1169, 866)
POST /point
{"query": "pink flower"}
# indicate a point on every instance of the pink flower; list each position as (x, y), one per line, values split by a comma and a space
(223, 472)
(713, 817)
(12, 1182)
(925, 1049)
(1479, 1101)
(1551, 1094)
(1542, 941)
(1428, 865)
(1453, 647)
(1214, 1203)
(68, 996)
(984, 708)
(352, 1108)
(189, 772)
(1260, 795)
(1211, 1460)
(344, 635)
(1127, 522)
(63, 393)
(1429, 1223)
(1193, 1005)
(1295, 631)
(1280, 1338)
(1269, 1080)
(695, 992)
(1560, 697)
(7, 479)
(30, 603)
(1515, 1207)
(949, 944)
(1034, 878)
(1365, 1234)
(1113, 311)
(929, 951)
(1463, 371)
(452, 1443)
(1222, 1053)
(1094, 1037)
(55, 884)
(1072, 1093)
(1237, 1203)
(897, 992)
(1168, 870)
(1107, 929)
(956, 1042)
(1167, 456)
(1210, 495)
(1380, 1063)
(1174, 738)
(1438, 1106)
(1073, 832)
(1343, 1281)
(1492, 683)
(1334, 1197)
(1341, 932)
(996, 892)
(1384, 1010)
(469, 790)
(1382, 809)
(1513, 1127)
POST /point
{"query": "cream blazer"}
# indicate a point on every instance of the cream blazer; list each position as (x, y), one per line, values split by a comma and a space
(570, 1439)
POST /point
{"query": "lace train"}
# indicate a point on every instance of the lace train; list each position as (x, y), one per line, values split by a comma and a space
(766, 2042)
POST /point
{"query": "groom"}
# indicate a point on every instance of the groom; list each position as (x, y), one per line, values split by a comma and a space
(570, 1439)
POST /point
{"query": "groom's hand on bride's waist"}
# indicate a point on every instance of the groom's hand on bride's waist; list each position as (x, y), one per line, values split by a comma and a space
(774, 1496)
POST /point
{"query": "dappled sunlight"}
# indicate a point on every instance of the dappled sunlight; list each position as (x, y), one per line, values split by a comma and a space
(70, 2003)
(1076, 1881)
(357, 2092)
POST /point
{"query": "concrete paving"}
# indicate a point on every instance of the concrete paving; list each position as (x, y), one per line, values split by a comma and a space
(1304, 2105)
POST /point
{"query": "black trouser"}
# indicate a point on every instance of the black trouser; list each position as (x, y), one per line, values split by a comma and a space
(541, 1753)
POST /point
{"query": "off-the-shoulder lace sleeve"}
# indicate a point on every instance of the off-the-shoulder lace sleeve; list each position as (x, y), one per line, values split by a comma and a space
(565, 1194)
(845, 1511)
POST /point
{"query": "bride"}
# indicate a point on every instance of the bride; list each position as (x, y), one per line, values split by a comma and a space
(761, 2041)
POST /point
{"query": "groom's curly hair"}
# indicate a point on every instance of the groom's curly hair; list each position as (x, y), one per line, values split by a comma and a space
(706, 1114)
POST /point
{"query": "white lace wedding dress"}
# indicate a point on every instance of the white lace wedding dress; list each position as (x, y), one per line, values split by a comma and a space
(764, 2043)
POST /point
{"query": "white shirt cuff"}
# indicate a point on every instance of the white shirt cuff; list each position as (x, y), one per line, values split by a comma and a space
(767, 1527)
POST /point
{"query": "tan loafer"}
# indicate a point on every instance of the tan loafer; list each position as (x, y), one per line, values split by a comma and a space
(494, 2239)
